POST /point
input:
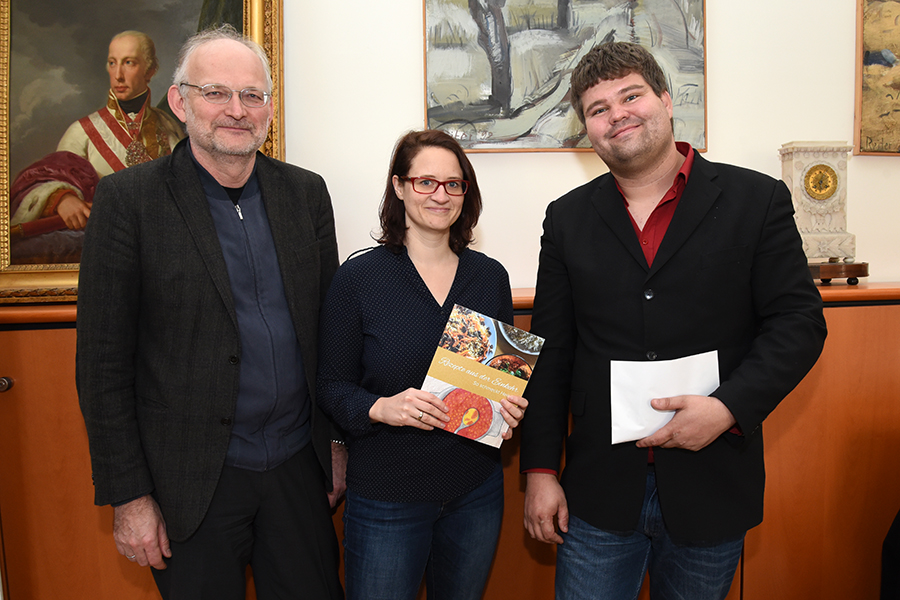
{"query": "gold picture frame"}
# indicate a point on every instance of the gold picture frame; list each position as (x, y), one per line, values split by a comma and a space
(262, 21)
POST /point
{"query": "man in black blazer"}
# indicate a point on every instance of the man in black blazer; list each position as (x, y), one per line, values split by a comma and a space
(200, 286)
(665, 257)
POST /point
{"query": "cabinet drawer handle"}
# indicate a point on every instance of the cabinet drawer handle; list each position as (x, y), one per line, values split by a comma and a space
(6, 383)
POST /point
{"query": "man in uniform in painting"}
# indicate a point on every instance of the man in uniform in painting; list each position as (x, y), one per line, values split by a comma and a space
(55, 193)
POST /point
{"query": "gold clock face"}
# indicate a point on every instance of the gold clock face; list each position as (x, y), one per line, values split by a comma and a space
(821, 182)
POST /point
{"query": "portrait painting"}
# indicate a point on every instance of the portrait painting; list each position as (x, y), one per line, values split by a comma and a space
(84, 89)
(497, 71)
(877, 129)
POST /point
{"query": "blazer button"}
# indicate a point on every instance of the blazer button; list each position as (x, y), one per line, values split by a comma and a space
(648, 294)
(226, 421)
(233, 360)
(651, 355)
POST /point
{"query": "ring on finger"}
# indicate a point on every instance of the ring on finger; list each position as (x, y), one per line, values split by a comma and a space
(421, 414)
(131, 557)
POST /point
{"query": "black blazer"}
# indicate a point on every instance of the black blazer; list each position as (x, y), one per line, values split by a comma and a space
(730, 275)
(158, 348)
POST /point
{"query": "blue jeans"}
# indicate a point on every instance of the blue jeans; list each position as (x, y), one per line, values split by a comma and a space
(388, 546)
(593, 564)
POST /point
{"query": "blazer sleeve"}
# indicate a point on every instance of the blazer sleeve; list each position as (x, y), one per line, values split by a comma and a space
(329, 265)
(546, 421)
(791, 325)
(326, 233)
(107, 330)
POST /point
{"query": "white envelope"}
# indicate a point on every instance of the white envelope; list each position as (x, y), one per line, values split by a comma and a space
(633, 384)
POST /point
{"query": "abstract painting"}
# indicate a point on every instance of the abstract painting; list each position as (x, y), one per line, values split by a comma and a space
(497, 71)
(877, 129)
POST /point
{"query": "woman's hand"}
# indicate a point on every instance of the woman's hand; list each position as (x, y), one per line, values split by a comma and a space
(513, 409)
(412, 408)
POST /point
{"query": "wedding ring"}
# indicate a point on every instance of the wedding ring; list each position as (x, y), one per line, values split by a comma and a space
(421, 414)
(131, 557)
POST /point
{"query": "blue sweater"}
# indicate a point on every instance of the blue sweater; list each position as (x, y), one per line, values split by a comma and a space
(272, 414)
(380, 326)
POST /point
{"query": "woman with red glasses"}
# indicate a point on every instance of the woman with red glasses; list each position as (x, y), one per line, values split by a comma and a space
(420, 500)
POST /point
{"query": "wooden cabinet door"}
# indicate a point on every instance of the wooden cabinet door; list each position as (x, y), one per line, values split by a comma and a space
(57, 544)
(831, 467)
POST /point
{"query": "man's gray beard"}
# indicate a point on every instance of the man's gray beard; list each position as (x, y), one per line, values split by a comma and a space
(205, 139)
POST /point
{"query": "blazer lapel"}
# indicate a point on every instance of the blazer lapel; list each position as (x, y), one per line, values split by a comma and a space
(698, 198)
(609, 203)
(187, 191)
(288, 219)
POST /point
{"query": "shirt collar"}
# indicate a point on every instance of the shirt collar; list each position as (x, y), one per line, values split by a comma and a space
(213, 189)
(688, 153)
(681, 177)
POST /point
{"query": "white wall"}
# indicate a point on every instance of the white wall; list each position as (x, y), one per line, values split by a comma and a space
(777, 72)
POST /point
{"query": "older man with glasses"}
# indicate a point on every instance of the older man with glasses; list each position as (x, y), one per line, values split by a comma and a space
(201, 279)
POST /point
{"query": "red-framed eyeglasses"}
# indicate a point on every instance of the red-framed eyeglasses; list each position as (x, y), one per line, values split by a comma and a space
(429, 185)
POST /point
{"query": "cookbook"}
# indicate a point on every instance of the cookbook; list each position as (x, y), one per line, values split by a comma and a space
(479, 361)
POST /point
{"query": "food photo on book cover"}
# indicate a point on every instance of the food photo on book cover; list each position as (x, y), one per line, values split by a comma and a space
(479, 361)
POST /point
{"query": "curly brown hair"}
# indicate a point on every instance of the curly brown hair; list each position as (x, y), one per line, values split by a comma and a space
(393, 213)
(614, 60)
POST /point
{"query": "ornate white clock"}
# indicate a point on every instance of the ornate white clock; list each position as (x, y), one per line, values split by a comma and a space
(816, 174)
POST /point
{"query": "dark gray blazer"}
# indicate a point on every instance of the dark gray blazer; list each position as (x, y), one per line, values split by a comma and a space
(158, 349)
(730, 275)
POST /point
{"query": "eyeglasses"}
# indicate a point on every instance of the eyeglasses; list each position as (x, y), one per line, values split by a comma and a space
(427, 185)
(215, 93)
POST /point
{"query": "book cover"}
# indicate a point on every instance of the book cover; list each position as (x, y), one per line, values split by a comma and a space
(479, 361)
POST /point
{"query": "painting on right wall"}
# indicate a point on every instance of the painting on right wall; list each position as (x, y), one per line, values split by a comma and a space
(877, 125)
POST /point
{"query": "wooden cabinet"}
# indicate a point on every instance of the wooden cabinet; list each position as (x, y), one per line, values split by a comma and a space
(57, 544)
(832, 489)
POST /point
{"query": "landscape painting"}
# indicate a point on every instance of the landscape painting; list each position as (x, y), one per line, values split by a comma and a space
(497, 71)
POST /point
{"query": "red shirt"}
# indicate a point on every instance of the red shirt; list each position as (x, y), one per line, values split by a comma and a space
(658, 223)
